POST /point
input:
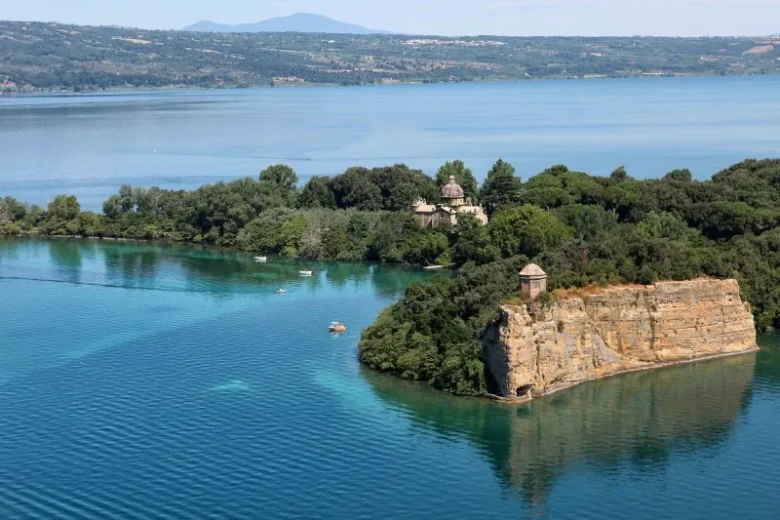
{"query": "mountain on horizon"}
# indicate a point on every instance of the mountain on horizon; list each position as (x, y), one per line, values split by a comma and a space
(298, 22)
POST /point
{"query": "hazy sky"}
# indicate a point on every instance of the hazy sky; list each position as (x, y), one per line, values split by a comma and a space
(450, 17)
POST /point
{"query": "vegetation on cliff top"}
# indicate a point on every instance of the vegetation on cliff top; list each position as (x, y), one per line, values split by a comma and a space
(582, 229)
(44, 56)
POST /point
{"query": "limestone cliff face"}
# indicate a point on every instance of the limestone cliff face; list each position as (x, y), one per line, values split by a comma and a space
(536, 349)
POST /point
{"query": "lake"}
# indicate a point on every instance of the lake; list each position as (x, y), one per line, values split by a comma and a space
(142, 381)
(88, 145)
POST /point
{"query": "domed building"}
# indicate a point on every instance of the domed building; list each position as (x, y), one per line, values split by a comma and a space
(452, 194)
(453, 203)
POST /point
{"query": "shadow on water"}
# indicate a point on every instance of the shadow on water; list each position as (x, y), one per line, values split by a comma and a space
(633, 421)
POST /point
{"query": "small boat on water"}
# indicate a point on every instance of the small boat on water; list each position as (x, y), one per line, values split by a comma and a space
(261, 259)
(337, 326)
(281, 291)
(305, 273)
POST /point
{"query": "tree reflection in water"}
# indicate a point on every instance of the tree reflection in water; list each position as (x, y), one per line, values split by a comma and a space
(635, 419)
(197, 268)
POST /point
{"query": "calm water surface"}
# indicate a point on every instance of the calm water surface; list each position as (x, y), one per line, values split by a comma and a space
(146, 382)
(88, 145)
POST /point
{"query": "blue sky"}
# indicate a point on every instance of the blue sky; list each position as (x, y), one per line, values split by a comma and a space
(449, 17)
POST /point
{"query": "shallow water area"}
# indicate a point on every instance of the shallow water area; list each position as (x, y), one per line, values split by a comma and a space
(153, 381)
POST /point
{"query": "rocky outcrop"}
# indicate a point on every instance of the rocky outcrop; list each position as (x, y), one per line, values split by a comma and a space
(540, 348)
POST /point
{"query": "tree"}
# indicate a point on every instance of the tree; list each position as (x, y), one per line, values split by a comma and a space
(683, 175)
(64, 207)
(463, 177)
(501, 187)
(619, 175)
(723, 219)
(425, 247)
(316, 194)
(112, 207)
(62, 216)
(390, 235)
(13, 210)
(280, 175)
(527, 230)
(400, 185)
(277, 185)
(472, 243)
(588, 222)
(267, 233)
(310, 244)
(666, 225)
(147, 201)
(352, 189)
(556, 170)
(126, 198)
(357, 233)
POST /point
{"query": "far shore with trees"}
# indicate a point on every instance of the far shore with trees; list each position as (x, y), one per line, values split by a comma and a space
(40, 57)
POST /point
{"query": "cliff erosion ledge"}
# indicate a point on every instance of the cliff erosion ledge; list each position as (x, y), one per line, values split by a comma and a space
(537, 348)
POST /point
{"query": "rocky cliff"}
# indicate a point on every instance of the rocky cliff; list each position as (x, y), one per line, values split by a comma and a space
(539, 348)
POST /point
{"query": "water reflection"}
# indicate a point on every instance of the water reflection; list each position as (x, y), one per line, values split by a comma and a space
(10, 250)
(66, 254)
(768, 366)
(130, 265)
(193, 268)
(635, 420)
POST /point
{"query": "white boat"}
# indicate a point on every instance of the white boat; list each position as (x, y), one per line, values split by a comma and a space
(281, 291)
(261, 259)
(305, 273)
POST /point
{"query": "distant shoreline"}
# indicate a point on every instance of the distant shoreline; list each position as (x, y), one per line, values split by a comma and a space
(312, 85)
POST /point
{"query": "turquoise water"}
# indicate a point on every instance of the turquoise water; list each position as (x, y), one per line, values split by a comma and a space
(89, 145)
(145, 381)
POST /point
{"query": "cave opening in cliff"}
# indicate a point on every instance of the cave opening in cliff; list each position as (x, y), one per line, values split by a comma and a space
(523, 391)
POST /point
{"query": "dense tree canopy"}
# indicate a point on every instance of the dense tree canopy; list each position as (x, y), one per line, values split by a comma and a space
(317, 194)
(435, 332)
(527, 230)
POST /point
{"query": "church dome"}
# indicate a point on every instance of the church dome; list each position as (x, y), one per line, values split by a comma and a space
(451, 190)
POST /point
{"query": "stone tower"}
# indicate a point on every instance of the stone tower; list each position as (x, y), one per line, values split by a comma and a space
(533, 281)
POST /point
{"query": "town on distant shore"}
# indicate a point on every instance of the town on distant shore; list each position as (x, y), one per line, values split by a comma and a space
(38, 56)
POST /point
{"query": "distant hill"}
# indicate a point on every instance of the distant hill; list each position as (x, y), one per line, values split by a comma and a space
(299, 22)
